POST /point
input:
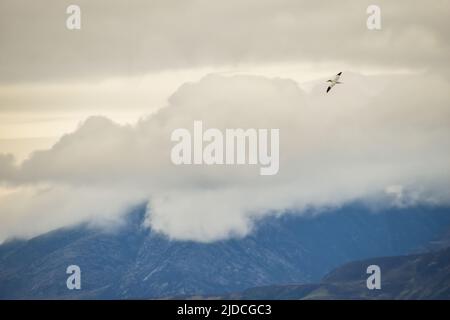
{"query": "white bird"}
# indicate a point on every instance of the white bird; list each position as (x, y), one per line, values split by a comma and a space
(334, 81)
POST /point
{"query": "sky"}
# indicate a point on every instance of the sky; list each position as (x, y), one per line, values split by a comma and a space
(86, 115)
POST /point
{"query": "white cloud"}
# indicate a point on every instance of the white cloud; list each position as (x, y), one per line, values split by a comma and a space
(366, 135)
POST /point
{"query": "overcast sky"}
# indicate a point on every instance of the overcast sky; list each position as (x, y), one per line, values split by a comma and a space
(133, 58)
(130, 56)
(139, 37)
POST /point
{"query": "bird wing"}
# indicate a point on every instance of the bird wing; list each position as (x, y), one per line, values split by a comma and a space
(329, 87)
(336, 78)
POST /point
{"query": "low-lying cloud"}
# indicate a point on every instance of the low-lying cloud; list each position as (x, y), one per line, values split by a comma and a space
(367, 136)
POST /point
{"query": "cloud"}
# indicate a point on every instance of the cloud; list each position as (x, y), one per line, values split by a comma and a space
(27, 211)
(7, 169)
(140, 37)
(354, 143)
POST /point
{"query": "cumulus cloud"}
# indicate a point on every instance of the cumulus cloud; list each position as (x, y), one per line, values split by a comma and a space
(364, 137)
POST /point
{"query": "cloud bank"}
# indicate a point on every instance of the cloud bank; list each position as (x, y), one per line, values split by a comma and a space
(139, 36)
(369, 136)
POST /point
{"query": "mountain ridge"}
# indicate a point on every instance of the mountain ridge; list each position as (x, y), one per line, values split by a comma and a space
(424, 276)
(137, 262)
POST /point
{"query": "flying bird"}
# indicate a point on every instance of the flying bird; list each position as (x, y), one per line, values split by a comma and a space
(334, 81)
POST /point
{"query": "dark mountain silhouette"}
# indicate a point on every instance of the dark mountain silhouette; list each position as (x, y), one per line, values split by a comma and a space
(421, 276)
(135, 262)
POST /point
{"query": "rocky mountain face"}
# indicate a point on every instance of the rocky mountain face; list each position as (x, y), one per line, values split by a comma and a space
(413, 277)
(135, 262)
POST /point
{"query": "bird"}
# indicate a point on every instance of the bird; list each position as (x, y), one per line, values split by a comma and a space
(334, 81)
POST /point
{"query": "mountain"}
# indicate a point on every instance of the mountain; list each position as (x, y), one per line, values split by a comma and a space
(421, 276)
(132, 261)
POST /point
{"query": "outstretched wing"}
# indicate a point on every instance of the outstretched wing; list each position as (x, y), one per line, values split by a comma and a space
(330, 86)
(336, 79)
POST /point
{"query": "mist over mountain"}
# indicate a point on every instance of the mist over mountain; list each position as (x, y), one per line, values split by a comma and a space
(136, 262)
(367, 138)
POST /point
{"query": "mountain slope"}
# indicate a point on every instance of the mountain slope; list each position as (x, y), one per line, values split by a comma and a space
(421, 276)
(135, 262)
